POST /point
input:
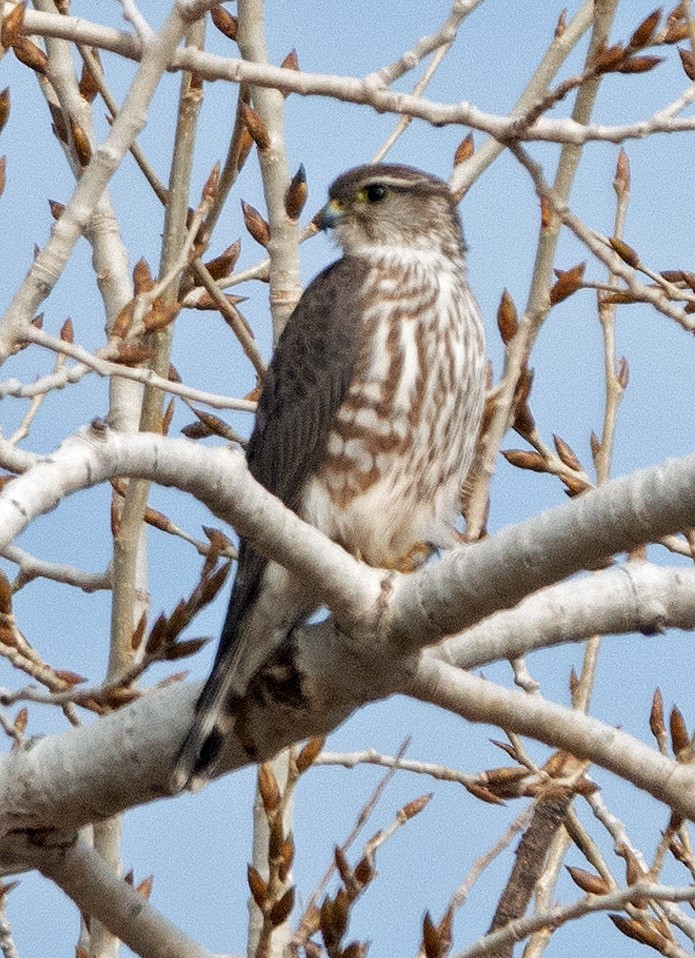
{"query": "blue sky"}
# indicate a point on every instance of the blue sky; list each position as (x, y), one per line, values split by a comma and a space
(197, 846)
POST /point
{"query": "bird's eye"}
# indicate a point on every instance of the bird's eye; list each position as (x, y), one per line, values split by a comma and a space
(376, 192)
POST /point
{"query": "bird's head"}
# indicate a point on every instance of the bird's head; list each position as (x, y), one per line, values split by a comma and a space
(390, 206)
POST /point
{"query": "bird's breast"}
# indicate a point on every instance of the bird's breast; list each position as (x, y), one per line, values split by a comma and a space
(403, 438)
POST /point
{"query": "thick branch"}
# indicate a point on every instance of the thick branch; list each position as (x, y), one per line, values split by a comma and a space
(637, 597)
(96, 889)
(462, 588)
(356, 90)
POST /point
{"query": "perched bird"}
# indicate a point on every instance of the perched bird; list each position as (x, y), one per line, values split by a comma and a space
(367, 418)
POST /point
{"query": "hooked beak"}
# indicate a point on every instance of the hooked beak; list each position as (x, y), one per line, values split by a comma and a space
(331, 214)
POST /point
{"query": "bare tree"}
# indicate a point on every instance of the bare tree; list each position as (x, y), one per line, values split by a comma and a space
(572, 574)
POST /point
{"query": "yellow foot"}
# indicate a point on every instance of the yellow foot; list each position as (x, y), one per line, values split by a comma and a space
(413, 559)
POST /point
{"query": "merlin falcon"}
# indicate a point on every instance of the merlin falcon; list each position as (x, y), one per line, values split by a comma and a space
(367, 418)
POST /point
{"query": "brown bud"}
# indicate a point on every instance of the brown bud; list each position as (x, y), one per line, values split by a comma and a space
(353, 950)
(88, 85)
(567, 454)
(214, 582)
(268, 787)
(30, 55)
(504, 747)
(624, 296)
(178, 620)
(625, 252)
(525, 459)
(181, 650)
(291, 61)
(120, 327)
(132, 354)
(21, 719)
(117, 698)
(575, 486)
(465, 149)
(623, 373)
(676, 31)
(595, 445)
(608, 58)
(205, 301)
(160, 315)
(431, 940)
(656, 715)
(158, 635)
(546, 213)
(3, 174)
(245, 144)
(415, 807)
(115, 518)
(67, 333)
(484, 794)
(640, 931)
(679, 276)
(196, 430)
(286, 858)
(255, 224)
(621, 183)
(256, 126)
(364, 871)
(504, 775)
(138, 632)
(568, 282)
(5, 595)
(68, 677)
(214, 425)
(253, 395)
(257, 885)
(309, 753)
(212, 183)
(59, 127)
(12, 25)
(523, 386)
(507, 318)
(296, 194)
(687, 62)
(4, 107)
(57, 209)
(167, 417)
(640, 64)
(573, 682)
(343, 866)
(524, 423)
(561, 24)
(83, 148)
(644, 34)
(280, 911)
(680, 741)
(634, 872)
(225, 22)
(219, 542)
(585, 786)
(336, 918)
(589, 882)
(142, 277)
(144, 888)
(223, 264)
(445, 927)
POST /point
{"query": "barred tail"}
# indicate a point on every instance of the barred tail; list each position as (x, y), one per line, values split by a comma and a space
(212, 723)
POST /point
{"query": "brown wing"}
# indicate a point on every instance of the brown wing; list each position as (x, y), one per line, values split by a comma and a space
(305, 383)
(303, 387)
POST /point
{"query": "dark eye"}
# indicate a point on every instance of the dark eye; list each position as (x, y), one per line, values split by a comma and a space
(376, 192)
